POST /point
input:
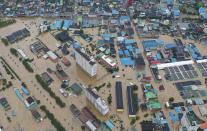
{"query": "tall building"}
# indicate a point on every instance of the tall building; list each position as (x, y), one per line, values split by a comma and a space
(85, 62)
(97, 101)
(190, 121)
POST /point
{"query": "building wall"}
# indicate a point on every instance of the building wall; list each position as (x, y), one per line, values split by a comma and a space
(96, 103)
(84, 64)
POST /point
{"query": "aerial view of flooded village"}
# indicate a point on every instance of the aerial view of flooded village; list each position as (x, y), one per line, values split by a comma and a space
(103, 65)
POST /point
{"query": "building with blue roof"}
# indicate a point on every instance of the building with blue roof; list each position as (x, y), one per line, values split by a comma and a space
(115, 12)
(170, 45)
(67, 24)
(125, 18)
(202, 12)
(127, 61)
(129, 41)
(150, 44)
(176, 12)
(110, 125)
(56, 25)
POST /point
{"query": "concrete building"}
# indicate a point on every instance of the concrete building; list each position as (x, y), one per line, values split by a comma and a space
(119, 97)
(52, 56)
(190, 122)
(85, 62)
(108, 62)
(21, 52)
(97, 101)
(36, 47)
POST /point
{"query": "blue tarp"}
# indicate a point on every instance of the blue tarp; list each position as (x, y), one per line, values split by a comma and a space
(106, 36)
(121, 52)
(110, 125)
(173, 59)
(127, 61)
(150, 43)
(129, 47)
(159, 56)
(159, 41)
(126, 52)
(56, 25)
(173, 117)
(125, 18)
(48, 22)
(25, 90)
(18, 94)
(191, 37)
(189, 108)
(115, 12)
(75, 45)
(86, 1)
(171, 45)
(67, 24)
(178, 110)
(129, 41)
(202, 10)
(138, 51)
(176, 12)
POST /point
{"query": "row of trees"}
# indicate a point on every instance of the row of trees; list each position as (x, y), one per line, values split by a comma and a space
(4, 23)
(53, 120)
(14, 52)
(99, 87)
(5, 41)
(27, 66)
(8, 71)
(10, 68)
(48, 89)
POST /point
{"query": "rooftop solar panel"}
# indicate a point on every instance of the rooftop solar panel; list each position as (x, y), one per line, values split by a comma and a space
(185, 75)
(167, 70)
(180, 76)
(181, 68)
(200, 66)
(195, 73)
(171, 70)
(191, 67)
(204, 65)
(175, 76)
(176, 69)
(186, 67)
(190, 74)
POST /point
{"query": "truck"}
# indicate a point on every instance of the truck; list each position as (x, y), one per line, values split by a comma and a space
(65, 94)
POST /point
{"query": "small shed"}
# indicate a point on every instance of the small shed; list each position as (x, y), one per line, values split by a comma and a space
(76, 89)
(202, 110)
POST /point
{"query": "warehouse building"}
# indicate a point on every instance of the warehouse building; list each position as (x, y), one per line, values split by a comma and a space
(119, 97)
(85, 62)
(99, 103)
(36, 47)
(131, 102)
(52, 56)
(61, 74)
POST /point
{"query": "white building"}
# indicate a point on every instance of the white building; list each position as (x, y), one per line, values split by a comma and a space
(97, 101)
(21, 52)
(43, 28)
(109, 62)
(85, 62)
(190, 122)
(91, 126)
(52, 56)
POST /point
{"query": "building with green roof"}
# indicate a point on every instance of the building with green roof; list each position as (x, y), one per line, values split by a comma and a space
(150, 95)
(76, 89)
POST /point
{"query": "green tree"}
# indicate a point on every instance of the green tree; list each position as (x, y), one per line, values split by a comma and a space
(171, 99)
(14, 52)
(109, 99)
